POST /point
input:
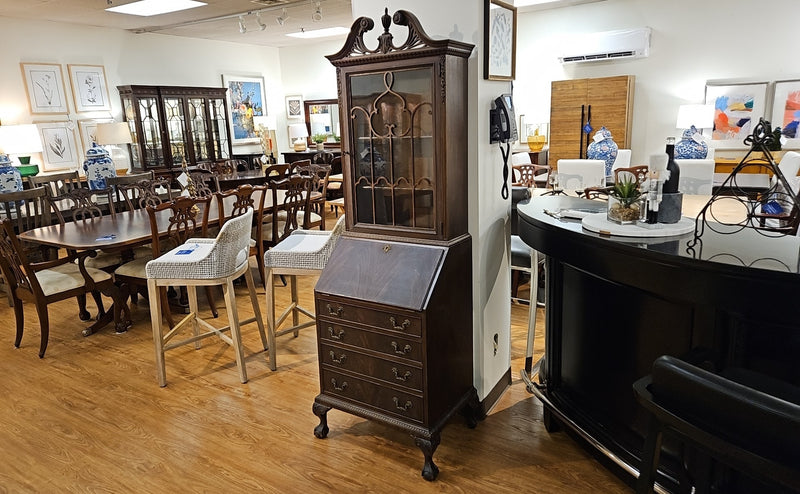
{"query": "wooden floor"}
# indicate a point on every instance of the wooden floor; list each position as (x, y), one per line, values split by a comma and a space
(90, 417)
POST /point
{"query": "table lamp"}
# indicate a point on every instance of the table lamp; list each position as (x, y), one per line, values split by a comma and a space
(298, 133)
(693, 117)
(22, 141)
(112, 134)
(265, 127)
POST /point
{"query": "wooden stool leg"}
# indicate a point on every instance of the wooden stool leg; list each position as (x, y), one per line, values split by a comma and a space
(155, 319)
(233, 320)
(269, 290)
(251, 287)
(295, 312)
(191, 294)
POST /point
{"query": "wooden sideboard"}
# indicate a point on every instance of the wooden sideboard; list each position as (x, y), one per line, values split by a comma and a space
(292, 156)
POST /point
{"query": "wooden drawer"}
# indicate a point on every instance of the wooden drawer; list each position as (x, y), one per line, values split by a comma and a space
(393, 373)
(387, 344)
(383, 319)
(376, 396)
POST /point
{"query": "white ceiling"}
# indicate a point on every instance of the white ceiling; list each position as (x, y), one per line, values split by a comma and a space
(92, 13)
(216, 21)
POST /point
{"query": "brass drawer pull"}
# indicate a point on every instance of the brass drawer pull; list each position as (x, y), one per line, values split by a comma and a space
(405, 377)
(336, 336)
(340, 360)
(405, 407)
(405, 351)
(337, 312)
(339, 388)
(402, 327)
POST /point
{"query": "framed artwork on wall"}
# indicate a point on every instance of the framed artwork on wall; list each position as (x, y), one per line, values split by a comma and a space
(246, 99)
(294, 108)
(89, 87)
(499, 41)
(87, 128)
(44, 84)
(737, 109)
(786, 111)
(59, 149)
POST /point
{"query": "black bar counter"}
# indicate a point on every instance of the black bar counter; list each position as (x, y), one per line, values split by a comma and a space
(615, 304)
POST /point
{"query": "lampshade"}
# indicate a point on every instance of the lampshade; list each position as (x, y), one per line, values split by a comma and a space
(113, 133)
(20, 139)
(701, 116)
(298, 130)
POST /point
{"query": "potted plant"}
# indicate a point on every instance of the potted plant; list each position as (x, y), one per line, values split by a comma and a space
(625, 201)
(319, 139)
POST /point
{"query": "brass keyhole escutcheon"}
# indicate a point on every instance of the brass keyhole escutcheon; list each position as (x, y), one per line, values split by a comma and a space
(387, 248)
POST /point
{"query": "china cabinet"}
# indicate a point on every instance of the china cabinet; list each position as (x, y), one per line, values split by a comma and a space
(394, 303)
(169, 123)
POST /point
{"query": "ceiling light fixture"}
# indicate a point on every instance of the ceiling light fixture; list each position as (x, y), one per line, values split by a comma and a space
(261, 25)
(282, 18)
(155, 7)
(242, 27)
(317, 15)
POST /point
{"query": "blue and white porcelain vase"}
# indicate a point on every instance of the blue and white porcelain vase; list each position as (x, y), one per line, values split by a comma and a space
(98, 167)
(690, 149)
(10, 177)
(603, 148)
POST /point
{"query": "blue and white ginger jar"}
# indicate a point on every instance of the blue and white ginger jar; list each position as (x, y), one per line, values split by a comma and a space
(10, 177)
(98, 167)
(689, 149)
(603, 149)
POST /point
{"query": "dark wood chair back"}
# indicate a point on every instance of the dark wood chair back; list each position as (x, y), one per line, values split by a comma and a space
(145, 192)
(322, 158)
(525, 175)
(205, 183)
(242, 200)
(290, 197)
(189, 219)
(56, 183)
(82, 204)
(276, 172)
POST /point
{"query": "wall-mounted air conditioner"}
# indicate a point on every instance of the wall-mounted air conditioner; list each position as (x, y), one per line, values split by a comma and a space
(606, 45)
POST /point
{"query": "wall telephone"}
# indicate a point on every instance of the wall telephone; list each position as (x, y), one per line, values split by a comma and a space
(503, 129)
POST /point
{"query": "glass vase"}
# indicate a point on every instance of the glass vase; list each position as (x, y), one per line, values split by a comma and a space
(625, 212)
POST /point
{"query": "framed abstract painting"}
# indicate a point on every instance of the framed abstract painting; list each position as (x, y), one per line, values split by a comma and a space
(499, 40)
(294, 108)
(44, 84)
(737, 109)
(786, 111)
(246, 99)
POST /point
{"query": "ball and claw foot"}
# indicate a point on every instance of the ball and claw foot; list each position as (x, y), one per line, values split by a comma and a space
(428, 446)
(84, 315)
(321, 411)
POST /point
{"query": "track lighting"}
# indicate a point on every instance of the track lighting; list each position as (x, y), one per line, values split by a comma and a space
(317, 15)
(261, 25)
(282, 18)
(242, 27)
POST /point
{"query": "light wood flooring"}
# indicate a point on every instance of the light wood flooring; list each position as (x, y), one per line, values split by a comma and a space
(90, 417)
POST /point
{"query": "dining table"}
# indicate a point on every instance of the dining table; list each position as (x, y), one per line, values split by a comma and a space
(121, 233)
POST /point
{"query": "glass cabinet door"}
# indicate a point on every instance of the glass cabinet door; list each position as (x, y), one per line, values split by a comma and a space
(175, 123)
(198, 129)
(219, 128)
(393, 159)
(150, 139)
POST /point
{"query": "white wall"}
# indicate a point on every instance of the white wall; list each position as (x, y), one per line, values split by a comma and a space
(691, 42)
(488, 212)
(128, 59)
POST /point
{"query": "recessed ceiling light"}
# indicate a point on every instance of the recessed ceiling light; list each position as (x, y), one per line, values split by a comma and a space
(320, 33)
(155, 7)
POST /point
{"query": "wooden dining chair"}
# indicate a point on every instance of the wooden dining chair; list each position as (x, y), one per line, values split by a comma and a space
(43, 283)
(236, 202)
(319, 173)
(56, 183)
(188, 218)
(145, 192)
(120, 204)
(530, 175)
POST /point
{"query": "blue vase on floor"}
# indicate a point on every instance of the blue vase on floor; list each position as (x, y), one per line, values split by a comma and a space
(603, 148)
(10, 177)
(689, 149)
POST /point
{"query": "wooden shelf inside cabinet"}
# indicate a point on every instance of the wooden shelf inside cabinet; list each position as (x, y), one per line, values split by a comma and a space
(394, 302)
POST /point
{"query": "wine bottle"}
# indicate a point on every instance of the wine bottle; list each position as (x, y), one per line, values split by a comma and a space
(671, 184)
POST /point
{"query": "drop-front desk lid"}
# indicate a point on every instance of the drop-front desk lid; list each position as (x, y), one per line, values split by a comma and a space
(393, 273)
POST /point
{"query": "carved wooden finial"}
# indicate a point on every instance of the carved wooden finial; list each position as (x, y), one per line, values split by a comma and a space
(386, 20)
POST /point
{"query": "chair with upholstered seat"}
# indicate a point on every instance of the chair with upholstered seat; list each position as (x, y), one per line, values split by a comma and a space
(623, 159)
(529, 175)
(43, 283)
(235, 202)
(697, 176)
(205, 262)
(581, 173)
(56, 183)
(319, 174)
(302, 253)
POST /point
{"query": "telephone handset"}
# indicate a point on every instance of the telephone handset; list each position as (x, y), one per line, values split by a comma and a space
(503, 129)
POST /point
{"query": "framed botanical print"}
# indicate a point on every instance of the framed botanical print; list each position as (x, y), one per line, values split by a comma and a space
(737, 109)
(294, 108)
(59, 149)
(87, 129)
(89, 87)
(499, 41)
(786, 111)
(246, 99)
(44, 84)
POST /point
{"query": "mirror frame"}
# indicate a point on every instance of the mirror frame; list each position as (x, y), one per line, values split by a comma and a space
(313, 102)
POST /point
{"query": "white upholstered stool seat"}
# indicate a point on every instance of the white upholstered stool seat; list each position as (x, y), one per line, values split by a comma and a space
(304, 252)
(204, 262)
